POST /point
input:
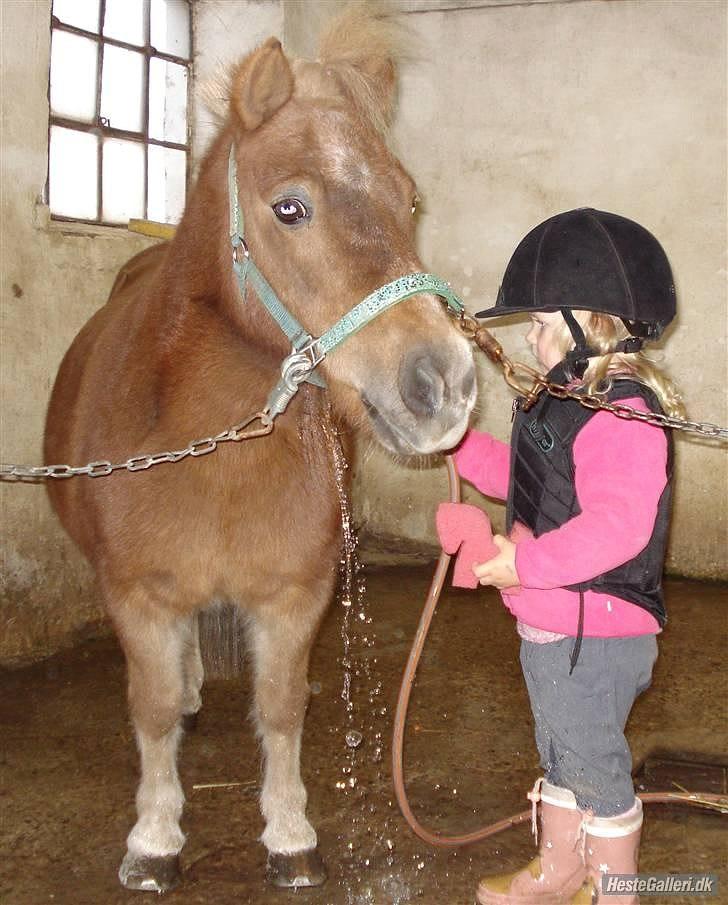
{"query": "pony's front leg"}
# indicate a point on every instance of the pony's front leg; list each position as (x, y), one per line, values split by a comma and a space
(154, 644)
(282, 634)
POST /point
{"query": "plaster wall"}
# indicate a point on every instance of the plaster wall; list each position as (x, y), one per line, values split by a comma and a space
(54, 276)
(513, 112)
(510, 113)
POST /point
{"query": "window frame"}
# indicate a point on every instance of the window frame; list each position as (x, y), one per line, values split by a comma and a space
(101, 128)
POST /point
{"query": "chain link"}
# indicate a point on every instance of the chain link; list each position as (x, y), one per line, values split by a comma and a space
(514, 371)
(240, 431)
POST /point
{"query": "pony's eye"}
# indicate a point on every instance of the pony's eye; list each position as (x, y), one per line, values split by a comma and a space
(290, 210)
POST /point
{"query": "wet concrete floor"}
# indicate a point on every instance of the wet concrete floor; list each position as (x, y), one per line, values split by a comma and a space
(69, 763)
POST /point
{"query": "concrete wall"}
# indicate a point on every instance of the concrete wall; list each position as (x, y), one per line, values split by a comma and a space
(53, 278)
(512, 112)
(517, 111)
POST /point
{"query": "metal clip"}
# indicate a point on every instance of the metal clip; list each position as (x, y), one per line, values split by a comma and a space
(294, 370)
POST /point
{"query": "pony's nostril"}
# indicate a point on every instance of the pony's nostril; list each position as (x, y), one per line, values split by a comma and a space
(422, 385)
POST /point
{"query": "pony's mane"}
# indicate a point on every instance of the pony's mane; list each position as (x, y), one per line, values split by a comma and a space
(361, 32)
(363, 42)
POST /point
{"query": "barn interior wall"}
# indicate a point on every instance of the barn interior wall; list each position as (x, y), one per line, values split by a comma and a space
(54, 276)
(509, 113)
(513, 112)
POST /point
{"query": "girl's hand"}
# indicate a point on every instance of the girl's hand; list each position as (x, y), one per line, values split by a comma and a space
(501, 570)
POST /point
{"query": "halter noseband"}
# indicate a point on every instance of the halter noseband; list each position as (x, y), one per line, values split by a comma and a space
(307, 351)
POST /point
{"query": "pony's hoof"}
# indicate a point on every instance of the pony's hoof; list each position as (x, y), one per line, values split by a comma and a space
(189, 721)
(152, 874)
(300, 869)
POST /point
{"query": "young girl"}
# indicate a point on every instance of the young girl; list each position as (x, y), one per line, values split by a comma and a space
(588, 497)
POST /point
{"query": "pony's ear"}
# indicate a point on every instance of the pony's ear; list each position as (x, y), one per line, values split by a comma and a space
(261, 84)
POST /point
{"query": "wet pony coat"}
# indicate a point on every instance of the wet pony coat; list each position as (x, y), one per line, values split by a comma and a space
(178, 353)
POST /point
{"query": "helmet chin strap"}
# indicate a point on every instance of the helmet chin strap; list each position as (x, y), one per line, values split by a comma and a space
(577, 360)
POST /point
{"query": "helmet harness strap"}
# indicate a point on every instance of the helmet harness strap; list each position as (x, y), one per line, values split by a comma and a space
(577, 360)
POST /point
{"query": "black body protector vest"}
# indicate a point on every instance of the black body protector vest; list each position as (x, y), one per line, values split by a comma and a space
(542, 493)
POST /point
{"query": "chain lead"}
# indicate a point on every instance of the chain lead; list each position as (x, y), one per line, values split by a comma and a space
(513, 371)
(194, 448)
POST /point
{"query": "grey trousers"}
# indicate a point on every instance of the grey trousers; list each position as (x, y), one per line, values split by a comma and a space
(580, 718)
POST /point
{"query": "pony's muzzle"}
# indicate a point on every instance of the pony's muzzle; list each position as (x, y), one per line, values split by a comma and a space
(435, 392)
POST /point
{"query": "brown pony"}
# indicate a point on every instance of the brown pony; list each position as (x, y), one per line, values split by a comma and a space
(177, 352)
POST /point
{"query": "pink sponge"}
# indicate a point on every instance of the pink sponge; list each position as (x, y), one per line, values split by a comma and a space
(463, 527)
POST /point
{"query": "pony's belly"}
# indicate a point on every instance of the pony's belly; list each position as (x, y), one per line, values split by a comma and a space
(210, 529)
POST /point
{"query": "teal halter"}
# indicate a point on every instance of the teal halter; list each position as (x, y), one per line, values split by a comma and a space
(307, 351)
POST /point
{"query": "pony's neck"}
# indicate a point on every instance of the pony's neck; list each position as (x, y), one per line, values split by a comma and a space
(199, 265)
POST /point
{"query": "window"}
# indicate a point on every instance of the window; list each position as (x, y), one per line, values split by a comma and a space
(118, 133)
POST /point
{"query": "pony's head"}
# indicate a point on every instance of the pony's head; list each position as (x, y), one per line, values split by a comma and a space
(329, 218)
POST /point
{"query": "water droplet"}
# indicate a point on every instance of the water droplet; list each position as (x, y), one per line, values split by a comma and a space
(354, 738)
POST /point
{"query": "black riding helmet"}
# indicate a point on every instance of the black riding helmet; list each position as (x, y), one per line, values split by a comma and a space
(595, 261)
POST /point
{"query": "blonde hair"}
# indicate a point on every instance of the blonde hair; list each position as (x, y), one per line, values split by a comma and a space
(603, 332)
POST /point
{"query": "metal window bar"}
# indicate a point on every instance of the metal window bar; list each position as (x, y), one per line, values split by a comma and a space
(101, 128)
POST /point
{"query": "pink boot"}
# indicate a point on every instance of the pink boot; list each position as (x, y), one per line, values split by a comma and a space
(612, 847)
(557, 875)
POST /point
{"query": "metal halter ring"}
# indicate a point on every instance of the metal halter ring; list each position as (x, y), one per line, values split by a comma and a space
(241, 251)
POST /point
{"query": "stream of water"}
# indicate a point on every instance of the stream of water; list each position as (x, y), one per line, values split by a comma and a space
(371, 832)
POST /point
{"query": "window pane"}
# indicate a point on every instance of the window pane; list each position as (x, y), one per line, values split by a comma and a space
(170, 27)
(72, 173)
(167, 177)
(81, 13)
(73, 76)
(121, 88)
(124, 20)
(167, 101)
(123, 180)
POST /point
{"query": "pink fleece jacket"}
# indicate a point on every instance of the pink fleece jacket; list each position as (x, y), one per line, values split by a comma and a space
(620, 472)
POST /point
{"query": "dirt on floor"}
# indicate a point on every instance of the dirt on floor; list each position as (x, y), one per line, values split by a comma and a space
(69, 765)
